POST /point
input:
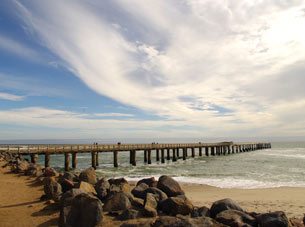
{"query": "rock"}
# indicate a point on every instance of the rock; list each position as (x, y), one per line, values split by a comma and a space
(88, 176)
(205, 221)
(49, 172)
(224, 204)
(151, 182)
(199, 212)
(86, 211)
(86, 187)
(33, 170)
(177, 205)
(167, 221)
(66, 185)
(296, 222)
(150, 212)
(273, 219)
(51, 188)
(137, 202)
(139, 190)
(236, 218)
(159, 195)
(67, 175)
(66, 203)
(102, 187)
(118, 201)
(129, 214)
(119, 185)
(169, 186)
(150, 206)
(22, 166)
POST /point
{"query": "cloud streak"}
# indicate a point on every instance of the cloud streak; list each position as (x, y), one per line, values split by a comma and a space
(204, 63)
(11, 97)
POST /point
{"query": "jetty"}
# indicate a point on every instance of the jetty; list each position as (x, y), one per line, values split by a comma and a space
(170, 151)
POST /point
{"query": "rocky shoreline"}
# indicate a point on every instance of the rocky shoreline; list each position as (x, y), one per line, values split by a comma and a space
(84, 200)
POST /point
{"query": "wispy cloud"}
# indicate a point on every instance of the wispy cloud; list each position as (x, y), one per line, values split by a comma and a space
(11, 97)
(113, 115)
(150, 54)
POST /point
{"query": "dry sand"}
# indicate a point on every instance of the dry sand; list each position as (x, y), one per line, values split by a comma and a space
(20, 204)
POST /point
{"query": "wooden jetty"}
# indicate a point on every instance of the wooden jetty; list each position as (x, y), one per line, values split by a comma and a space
(163, 151)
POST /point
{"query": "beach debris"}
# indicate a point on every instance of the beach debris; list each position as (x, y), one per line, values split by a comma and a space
(86, 211)
(200, 212)
(139, 190)
(236, 218)
(223, 204)
(168, 185)
(151, 182)
(102, 188)
(273, 219)
(177, 205)
(118, 201)
(52, 188)
(88, 175)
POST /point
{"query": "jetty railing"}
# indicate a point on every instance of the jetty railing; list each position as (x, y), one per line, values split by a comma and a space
(163, 151)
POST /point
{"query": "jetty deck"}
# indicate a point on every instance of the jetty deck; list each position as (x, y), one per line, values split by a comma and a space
(163, 151)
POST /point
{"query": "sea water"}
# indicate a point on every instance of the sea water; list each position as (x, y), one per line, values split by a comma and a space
(283, 165)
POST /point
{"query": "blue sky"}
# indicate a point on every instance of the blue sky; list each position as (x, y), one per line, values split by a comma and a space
(151, 69)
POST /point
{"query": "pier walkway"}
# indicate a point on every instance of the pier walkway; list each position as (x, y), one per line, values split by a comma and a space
(164, 152)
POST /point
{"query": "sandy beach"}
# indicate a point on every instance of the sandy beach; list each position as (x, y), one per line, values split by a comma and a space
(20, 204)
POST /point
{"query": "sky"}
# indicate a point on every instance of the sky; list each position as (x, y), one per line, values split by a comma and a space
(152, 69)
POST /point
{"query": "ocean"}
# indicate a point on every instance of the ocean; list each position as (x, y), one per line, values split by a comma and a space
(283, 165)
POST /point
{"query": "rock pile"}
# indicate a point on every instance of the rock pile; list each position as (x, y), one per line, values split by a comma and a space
(84, 200)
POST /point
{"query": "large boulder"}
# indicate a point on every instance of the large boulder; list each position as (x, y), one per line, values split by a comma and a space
(236, 218)
(273, 219)
(223, 204)
(119, 185)
(201, 211)
(51, 188)
(139, 190)
(34, 170)
(177, 205)
(85, 187)
(22, 166)
(66, 203)
(159, 195)
(66, 181)
(129, 214)
(151, 182)
(150, 206)
(168, 185)
(116, 202)
(86, 211)
(88, 175)
(102, 187)
(49, 172)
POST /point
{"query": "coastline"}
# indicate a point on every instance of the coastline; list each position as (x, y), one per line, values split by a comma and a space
(20, 203)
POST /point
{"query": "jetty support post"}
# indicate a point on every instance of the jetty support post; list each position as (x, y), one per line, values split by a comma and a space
(96, 159)
(213, 151)
(157, 155)
(206, 151)
(115, 159)
(200, 151)
(193, 152)
(168, 154)
(149, 156)
(162, 156)
(133, 158)
(145, 156)
(184, 153)
(67, 161)
(174, 155)
(34, 158)
(178, 153)
(93, 159)
(130, 157)
(74, 160)
(46, 160)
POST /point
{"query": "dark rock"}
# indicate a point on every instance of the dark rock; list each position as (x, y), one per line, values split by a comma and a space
(150, 212)
(33, 170)
(150, 206)
(85, 187)
(66, 185)
(88, 175)
(102, 187)
(199, 212)
(137, 202)
(66, 203)
(167, 221)
(67, 175)
(86, 211)
(177, 205)
(118, 201)
(205, 221)
(151, 182)
(169, 186)
(236, 218)
(129, 214)
(139, 190)
(52, 188)
(119, 185)
(22, 166)
(224, 204)
(49, 172)
(273, 219)
(159, 195)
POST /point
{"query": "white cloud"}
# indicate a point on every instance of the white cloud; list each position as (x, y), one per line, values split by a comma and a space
(214, 53)
(113, 115)
(11, 97)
